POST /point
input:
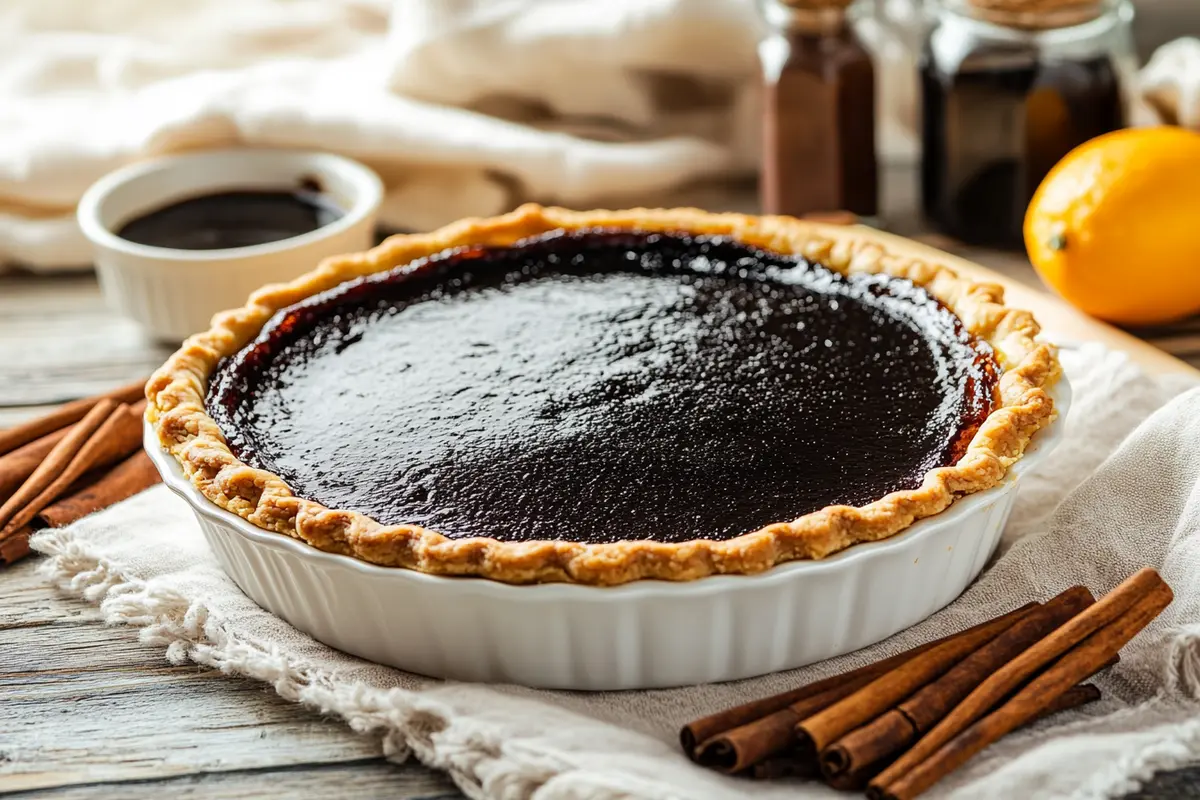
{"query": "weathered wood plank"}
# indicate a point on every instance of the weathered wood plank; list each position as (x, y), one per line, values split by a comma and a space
(89, 707)
(374, 778)
(27, 602)
(59, 341)
(1183, 784)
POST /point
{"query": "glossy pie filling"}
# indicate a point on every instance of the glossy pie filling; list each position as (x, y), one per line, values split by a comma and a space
(601, 385)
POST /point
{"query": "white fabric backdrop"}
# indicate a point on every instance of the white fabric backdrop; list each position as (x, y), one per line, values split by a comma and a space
(465, 107)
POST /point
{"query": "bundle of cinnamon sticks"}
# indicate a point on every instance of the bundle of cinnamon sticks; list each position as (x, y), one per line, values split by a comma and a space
(897, 727)
(82, 457)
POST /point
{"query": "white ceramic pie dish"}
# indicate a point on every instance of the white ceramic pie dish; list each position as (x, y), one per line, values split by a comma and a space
(646, 634)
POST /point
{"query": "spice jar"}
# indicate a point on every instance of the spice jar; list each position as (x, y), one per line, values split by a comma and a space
(819, 111)
(1009, 87)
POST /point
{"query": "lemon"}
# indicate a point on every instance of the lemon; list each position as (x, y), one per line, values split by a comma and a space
(1115, 227)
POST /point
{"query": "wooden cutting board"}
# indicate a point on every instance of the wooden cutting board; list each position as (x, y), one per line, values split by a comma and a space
(1060, 321)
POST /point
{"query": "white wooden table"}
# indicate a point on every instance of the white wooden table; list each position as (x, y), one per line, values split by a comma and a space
(89, 712)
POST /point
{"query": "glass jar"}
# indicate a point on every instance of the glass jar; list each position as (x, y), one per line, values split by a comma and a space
(819, 111)
(1005, 96)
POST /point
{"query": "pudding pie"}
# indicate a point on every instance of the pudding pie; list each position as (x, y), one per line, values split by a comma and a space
(602, 397)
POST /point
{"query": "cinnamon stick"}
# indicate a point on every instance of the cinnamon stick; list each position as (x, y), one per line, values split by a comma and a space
(15, 547)
(116, 435)
(1088, 641)
(64, 415)
(135, 474)
(747, 745)
(737, 748)
(854, 780)
(57, 460)
(1074, 697)
(17, 466)
(883, 693)
(89, 495)
(789, 764)
(895, 729)
(857, 778)
(703, 729)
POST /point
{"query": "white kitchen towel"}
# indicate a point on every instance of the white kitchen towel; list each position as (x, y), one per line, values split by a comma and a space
(465, 107)
(1102, 506)
(1170, 83)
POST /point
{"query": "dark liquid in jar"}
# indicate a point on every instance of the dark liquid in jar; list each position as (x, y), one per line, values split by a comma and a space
(233, 219)
(819, 128)
(994, 126)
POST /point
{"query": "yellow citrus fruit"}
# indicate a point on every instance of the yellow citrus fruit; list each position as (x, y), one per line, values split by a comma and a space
(1115, 227)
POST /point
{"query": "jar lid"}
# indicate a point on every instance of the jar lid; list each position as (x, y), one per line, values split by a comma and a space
(1037, 14)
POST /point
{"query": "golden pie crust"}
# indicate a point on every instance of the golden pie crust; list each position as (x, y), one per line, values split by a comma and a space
(176, 410)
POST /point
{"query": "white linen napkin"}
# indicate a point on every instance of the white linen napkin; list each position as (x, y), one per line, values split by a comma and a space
(1124, 504)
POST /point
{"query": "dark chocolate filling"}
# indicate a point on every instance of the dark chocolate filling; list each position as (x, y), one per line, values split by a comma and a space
(601, 385)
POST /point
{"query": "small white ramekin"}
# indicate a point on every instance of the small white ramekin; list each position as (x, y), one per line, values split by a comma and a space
(174, 293)
(646, 634)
